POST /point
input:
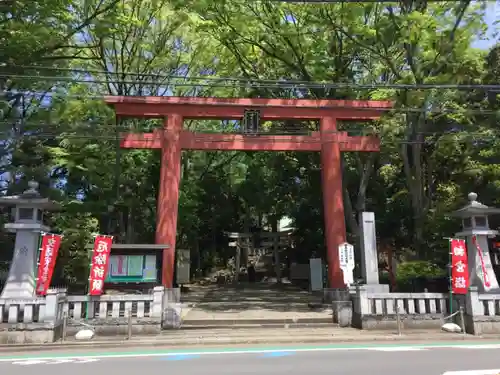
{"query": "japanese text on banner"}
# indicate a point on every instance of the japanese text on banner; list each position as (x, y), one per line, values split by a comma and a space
(49, 248)
(99, 266)
(459, 270)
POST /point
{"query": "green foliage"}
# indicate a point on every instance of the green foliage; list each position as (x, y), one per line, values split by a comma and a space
(412, 274)
(420, 268)
(431, 157)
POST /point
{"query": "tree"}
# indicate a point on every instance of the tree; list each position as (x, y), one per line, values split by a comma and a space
(58, 130)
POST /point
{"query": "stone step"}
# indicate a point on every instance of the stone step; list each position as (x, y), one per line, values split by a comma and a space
(257, 323)
(320, 330)
(236, 326)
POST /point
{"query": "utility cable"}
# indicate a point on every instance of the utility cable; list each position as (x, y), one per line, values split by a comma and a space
(82, 127)
(242, 82)
(435, 111)
(384, 139)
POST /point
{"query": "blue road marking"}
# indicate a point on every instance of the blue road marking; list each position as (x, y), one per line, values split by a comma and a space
(181, 357)
(277, 354)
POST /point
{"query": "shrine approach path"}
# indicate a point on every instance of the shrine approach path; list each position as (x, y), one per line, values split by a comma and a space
(247, 303)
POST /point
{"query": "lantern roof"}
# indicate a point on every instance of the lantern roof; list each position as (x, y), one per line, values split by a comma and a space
(30, 197)
(475, 208)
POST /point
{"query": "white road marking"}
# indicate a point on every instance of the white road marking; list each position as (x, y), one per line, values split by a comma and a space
(54, 361)
(169, 354)
(165, 353)
(483, 346)
(474, 372)
(88, 360)
(398, 349)
(29, 362)
(59, 361)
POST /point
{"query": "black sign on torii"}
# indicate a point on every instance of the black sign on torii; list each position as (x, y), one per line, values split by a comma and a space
(251, 121)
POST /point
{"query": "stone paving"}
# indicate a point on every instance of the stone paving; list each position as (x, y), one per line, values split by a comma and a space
(248, 302)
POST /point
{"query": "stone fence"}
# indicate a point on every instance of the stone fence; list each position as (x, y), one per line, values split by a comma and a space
(482, 312)
(35, 320)
(112, 314)
(424, 310)
(42, 320)
(382, 310)
(48, 319)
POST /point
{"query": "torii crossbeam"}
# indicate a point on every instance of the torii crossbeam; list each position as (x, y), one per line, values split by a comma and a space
(172, 139)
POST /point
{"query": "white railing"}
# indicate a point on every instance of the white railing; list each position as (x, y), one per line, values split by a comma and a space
(372, 303)
(115, 306)
(108, 306)
(15, 311)
(406, 303)
(489, 305)
(57, 304)
(484, 309)
(46, 309)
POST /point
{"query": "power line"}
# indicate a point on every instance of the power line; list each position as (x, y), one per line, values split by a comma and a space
(235, 130)
(432, 111)
(239, 82)
(384, 139)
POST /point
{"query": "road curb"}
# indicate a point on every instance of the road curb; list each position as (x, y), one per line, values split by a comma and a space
(213, 341)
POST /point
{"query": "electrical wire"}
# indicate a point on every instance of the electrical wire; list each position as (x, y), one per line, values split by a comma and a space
(464, 111)
(384, 140)
(82, 127)
(241, 82)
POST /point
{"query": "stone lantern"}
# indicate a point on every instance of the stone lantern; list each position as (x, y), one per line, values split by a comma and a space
(475, 223)
(27, 212)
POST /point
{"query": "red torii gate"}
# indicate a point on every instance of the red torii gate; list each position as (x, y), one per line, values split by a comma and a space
(172, 139)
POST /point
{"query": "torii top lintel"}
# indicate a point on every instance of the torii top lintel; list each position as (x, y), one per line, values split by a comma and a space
(327, 111)
(233, 108)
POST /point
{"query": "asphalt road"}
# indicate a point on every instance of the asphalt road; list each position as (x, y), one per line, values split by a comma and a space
(339, 360)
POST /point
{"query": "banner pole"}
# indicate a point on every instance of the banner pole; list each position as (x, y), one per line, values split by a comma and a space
(38, 253)
(450, 269)
(89, 297)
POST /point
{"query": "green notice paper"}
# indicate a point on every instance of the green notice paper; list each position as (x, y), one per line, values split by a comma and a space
(150, 271)
(135, 265)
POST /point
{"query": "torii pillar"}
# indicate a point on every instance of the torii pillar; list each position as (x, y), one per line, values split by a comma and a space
(333, 203)
(172, 139)
(168, 195)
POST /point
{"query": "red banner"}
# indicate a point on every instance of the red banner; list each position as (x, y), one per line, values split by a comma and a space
(47, 262)
(484, 271)
(99, 266)
(460, 269)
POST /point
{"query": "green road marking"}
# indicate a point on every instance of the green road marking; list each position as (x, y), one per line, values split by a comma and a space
(250, 350)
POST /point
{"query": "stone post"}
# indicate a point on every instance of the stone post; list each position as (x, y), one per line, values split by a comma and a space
(342, 306)
(473, 305)
(172, 310)
(369, 255)
(52, 307)
(360, 306)
(473, 309)
(62, 303)
(157, 305)
(362, 296)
